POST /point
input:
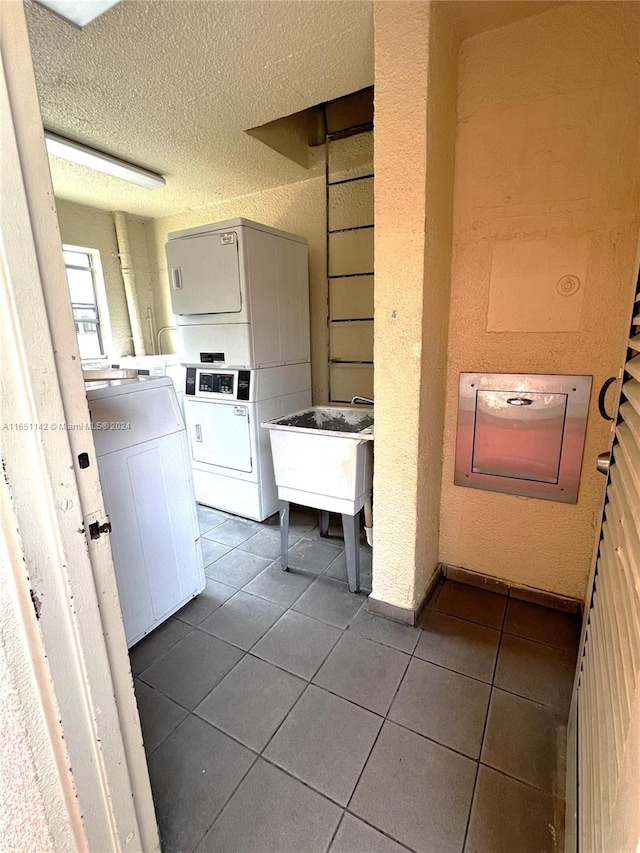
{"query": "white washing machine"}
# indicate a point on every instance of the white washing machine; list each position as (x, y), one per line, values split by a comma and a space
(145, 472)
(230, 451)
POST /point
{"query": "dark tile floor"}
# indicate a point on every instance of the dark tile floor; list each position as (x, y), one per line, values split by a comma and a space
(280, 715)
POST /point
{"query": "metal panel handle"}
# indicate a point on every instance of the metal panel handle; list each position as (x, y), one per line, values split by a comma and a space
(176, 276)
(601, 398)
(198, 432)
(604, 463)
(519, 401)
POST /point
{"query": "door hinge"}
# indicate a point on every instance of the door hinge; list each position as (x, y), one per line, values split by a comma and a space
(96, 529)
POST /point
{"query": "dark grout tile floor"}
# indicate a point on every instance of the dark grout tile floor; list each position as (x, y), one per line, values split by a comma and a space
(280, 716)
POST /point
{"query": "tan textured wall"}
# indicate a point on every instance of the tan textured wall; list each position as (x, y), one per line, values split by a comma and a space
(94, 229)
(548, 149)
(401, 32)
(442, 89)
(297, 208)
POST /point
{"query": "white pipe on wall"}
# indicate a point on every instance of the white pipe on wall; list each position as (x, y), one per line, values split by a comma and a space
(160, 332)
(129, 278)
(151, 329)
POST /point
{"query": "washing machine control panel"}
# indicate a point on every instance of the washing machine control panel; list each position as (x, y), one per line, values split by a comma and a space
(208, 384)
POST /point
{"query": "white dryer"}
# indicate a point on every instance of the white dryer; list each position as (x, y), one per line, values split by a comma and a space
(240, 294)
(147, 483)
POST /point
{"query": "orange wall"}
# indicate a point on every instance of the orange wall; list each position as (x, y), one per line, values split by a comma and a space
(547, 177)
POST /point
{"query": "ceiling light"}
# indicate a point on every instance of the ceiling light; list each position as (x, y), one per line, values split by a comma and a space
(76, 152)
(79, 12)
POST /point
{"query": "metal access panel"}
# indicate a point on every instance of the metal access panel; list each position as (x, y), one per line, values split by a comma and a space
(522, 434)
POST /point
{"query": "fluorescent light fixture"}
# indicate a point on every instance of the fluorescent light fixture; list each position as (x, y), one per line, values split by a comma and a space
(79, 12)
(76, 152)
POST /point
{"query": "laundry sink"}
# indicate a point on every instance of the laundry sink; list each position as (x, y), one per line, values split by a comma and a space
(323, 457)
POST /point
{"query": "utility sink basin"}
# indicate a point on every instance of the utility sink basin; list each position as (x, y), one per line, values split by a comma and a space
(323, 457)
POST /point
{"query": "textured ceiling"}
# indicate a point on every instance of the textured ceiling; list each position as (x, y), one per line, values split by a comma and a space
(173, 84)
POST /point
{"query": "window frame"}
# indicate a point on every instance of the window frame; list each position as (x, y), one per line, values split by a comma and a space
(102, 321)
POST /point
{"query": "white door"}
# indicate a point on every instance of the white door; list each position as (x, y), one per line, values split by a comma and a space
(219, 434)
(204, 274)
(604, 730)
(88, 754)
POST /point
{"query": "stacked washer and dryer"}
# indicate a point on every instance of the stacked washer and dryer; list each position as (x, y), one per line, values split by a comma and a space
(240, 293)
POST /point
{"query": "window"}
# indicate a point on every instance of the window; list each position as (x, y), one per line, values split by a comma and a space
(88, 304)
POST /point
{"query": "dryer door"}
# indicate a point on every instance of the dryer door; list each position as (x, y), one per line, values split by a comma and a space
(219, 434)
(204, 274)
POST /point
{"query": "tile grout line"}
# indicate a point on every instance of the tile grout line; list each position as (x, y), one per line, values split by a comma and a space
(486, 721)
(381, 831)
(310, 683)
(540, 643)
(529, 785)
(226, 802)
(286, 717)
(335, 832)
(159, 744)
(500, 630)
(528, 699)
(464, 618)
(449, 669)
(373, 745)
(480, 681)
(166, 651)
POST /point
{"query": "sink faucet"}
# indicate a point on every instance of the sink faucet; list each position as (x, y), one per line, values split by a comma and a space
(361, 400)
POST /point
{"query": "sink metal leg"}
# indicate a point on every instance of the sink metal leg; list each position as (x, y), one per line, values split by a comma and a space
(284, 534)
(351, 529)
(324, 523)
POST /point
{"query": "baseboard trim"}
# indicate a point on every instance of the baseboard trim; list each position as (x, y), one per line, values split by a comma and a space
(547, 599)
(410, 616)
(406, 615)
(470, 578)
(522, 593)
